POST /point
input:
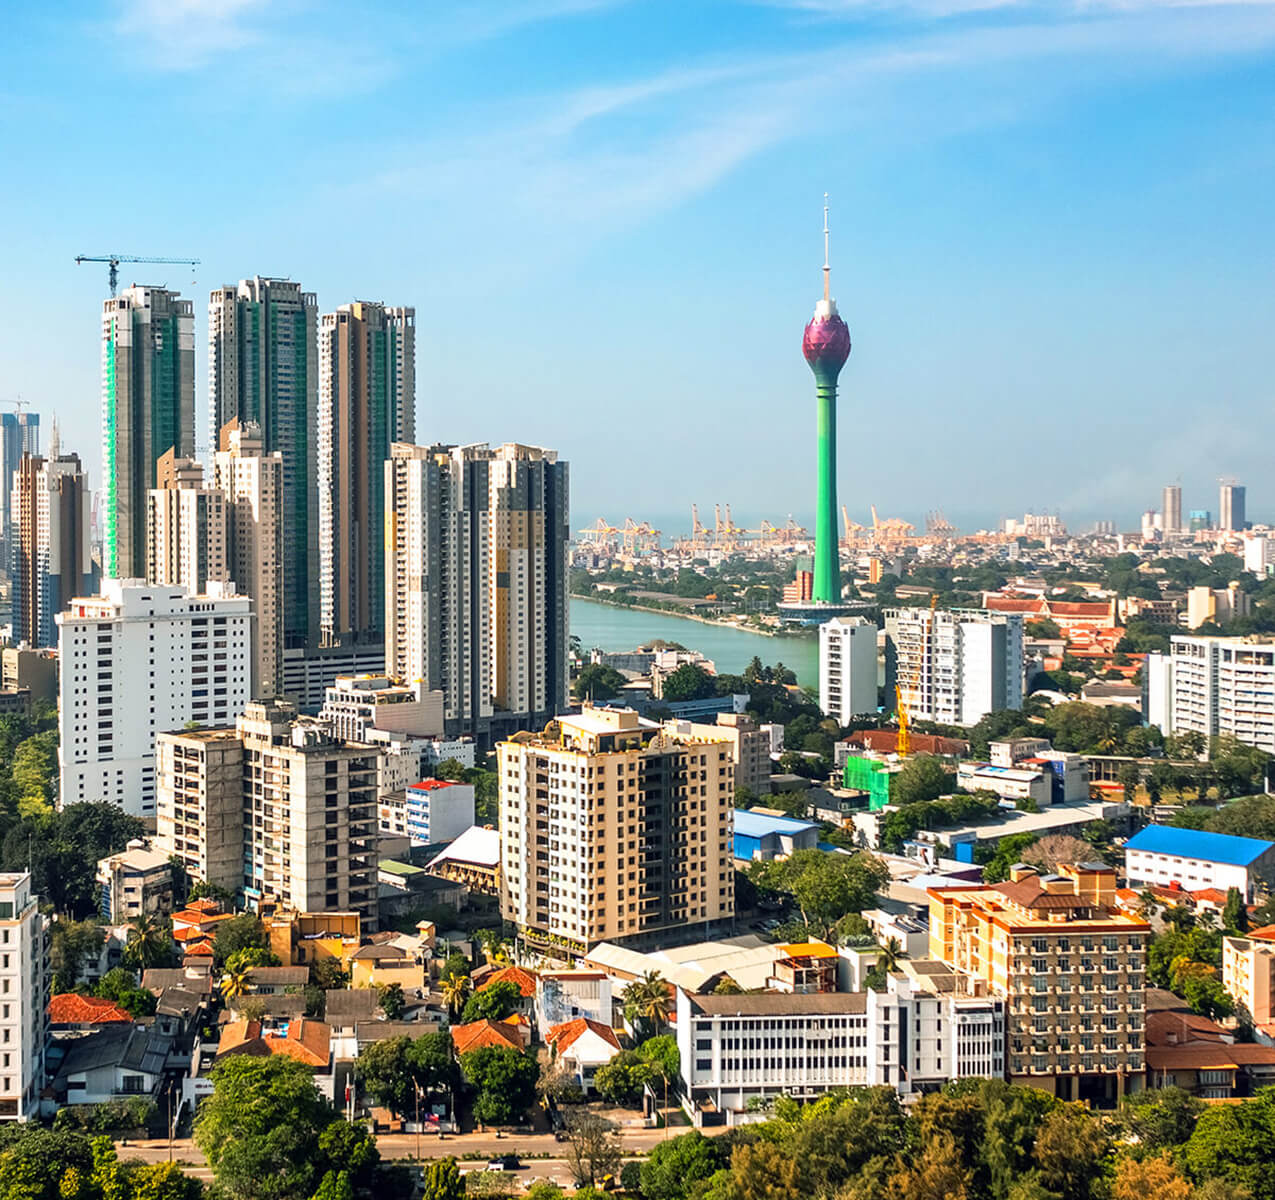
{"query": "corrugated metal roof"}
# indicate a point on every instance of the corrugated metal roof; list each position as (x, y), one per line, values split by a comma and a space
(1199, 844)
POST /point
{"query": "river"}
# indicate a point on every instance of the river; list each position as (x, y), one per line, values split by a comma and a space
(610, 627)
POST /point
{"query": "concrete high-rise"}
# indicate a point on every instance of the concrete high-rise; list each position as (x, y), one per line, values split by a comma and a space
(614, 828)
(476, 582)
(263, 367)
(367, 400)
(1231, 506)
(847, 668)
(252, 483)
(51, 556)
(1171, 513)
(148, 409)
(276, 808)
(826, 345)
(19, 435)
(24, 980)
(185, 527)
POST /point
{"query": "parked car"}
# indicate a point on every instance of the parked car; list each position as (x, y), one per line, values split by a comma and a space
(504, 1162)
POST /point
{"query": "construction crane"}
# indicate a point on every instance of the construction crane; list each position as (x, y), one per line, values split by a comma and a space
(903, 747)
(853, 528)
(113, 262)
(17, 403)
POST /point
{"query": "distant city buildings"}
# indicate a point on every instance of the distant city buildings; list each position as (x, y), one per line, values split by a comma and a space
(1172, 519)
(848, 668)
(1231, 499)
(185, 527)
(19, 435)
(148, 409)
(614, 828)
(1216, 605)
(476, 582)
(135, 661)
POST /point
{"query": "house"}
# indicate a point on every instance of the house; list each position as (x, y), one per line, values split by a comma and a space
(194, 978)
(525, 981)
(344, 1008)
(306, 1041)
(562, 996)
(70, 1010)
(582, 1046)
(115, 1061)
(1196, 859)
(478, 1035)
(762, 837)
(1191, 1052)
(472, 859)
(269, 981)
(301, 938)
(134, 882)
(381, 964)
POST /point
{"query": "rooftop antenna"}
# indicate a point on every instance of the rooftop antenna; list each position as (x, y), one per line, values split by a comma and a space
(827, 270)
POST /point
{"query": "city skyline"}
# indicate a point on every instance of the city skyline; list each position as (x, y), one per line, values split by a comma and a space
(1018, 195)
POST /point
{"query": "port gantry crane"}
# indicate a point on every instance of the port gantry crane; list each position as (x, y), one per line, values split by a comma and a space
(113, 262)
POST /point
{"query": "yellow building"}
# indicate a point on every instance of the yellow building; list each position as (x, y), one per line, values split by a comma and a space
(1248, 975)
(1071, 967)
(302, 938)
(379, 966)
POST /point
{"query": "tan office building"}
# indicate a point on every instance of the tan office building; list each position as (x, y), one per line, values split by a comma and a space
(614, 828)
(185, 527)
(1071, 967)
(1248, 975)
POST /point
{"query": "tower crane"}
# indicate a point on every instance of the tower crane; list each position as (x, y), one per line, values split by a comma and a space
(17, 403)
(113, 263)
(903, 746)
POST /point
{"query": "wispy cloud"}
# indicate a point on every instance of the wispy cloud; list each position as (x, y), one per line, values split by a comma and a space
(181, 35)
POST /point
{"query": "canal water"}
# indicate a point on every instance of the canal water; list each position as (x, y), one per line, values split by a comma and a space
(609, 627)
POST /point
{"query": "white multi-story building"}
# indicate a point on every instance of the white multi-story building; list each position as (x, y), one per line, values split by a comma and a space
(136, 661)
(134, 882)
(1195, 859)
(1215, 686)
(955, 666)
(24, 998)
(1259, 553)
(847, 668)
(737, 1050)
(476, 582)
(438, 810)
(357, 704)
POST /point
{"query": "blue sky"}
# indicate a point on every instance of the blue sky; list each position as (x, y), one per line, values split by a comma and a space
(1052, 229)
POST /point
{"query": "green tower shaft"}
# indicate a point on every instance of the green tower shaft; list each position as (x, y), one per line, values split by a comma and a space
(827, 585)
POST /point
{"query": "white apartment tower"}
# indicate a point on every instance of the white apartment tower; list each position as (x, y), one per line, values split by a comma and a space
(24, 998)
(476, 582)
(614, 828)
(954, 666)
(276, 808)
(185, 528)
(252, 483)
(136, 661)
(847, 668)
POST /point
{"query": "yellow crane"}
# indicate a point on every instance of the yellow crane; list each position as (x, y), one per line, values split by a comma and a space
(903, 746)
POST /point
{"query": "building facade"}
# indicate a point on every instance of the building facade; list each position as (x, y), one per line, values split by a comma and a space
(437, 810)
(1195, 859)
(136, 661)
(367, 400)
(134, 883)
(847, 668)
(263, 368)
(19, 435)
(148, 409)
(1248, 975)
(24, 981)
(1172, 509)
(1231, 504)
(1071, 967)
(476, 582)
(252, 483)
(185, 527)
(954, 666)
(50, 539)
(614, 829)
(302, 803)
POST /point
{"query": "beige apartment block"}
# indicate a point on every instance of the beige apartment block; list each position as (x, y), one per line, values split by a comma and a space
(1070, 966)
(199, 813)
(1248, 975)
(614, 828)
(185, 527)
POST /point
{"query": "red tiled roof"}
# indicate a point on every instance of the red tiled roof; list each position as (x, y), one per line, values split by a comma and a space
(70, 1008)
(563, 1036)
(1013, 604)
(1263, 933)
(478, 1035)
(526, 980)
(306, 1040)
(1209, 1056)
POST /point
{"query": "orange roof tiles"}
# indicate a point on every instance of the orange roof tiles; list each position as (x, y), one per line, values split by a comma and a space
(306, 1040)
(478, 1035)
(70, 1008)
(526, 980)
(563, 1036)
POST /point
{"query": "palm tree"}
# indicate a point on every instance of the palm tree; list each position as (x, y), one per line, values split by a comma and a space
(646, 1001)
(149, 941)
(891, 952)
(455, 989)
(236, 982)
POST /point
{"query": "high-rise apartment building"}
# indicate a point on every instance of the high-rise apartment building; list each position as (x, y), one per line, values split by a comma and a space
(19, 435)
(24, 981)
(136, 661)
(1171, 521)
(954, 666)
(276, 808)
(1071, 966)
(1231, 497)
(1214, 686)
(185, 527)
(847, 668)
(614, 828)
(367, 400)
(51, 557)
(263, 367)
(252, 483)
(148, 409)
(476, 581)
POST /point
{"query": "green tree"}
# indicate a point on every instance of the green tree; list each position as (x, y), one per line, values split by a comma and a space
(36, 1164)
(688, 682)
(432, 1062)
(1232, 1143)
(924, 777)
(120, 985)
(442, 1180)
(250, 957)
(335, 1185)
(163, 1181)
(1071, 1152)
(495, 1002)
(150, 942)
(826, 887)
(646, 1003)
(1163, 1119)
(504, 1080)
(622, 1079)
(1235, 912)
(390, 998)
(454, 989)
(674, 1166)
(73, 944)
(663, 1055)
(383, 1070)
(598, 683)
(238, 933)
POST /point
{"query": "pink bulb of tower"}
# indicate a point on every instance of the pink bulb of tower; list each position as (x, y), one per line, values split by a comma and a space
(826, 342)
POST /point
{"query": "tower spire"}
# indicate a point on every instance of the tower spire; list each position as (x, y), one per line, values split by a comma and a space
(827, 270)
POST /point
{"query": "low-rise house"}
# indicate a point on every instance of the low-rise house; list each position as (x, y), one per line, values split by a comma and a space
(563, 996)
(344, 1008)
(525, 981)
(406, 888)
(195, 978)
(269, 981)
(761, 837)
(1195, 859)
(115, 1061)
(134, 882)
(473, 859)
(807, 968)
(381, 964)
(70, 1010)
(1188, 1051)
(582, 1046)
(478, 1035)
(301, 938)
(306, 1041)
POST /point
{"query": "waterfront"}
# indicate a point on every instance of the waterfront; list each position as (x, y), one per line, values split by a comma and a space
(611, 627)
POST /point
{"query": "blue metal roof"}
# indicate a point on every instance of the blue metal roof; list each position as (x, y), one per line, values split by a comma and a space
(1195, 843)
(759, 824)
